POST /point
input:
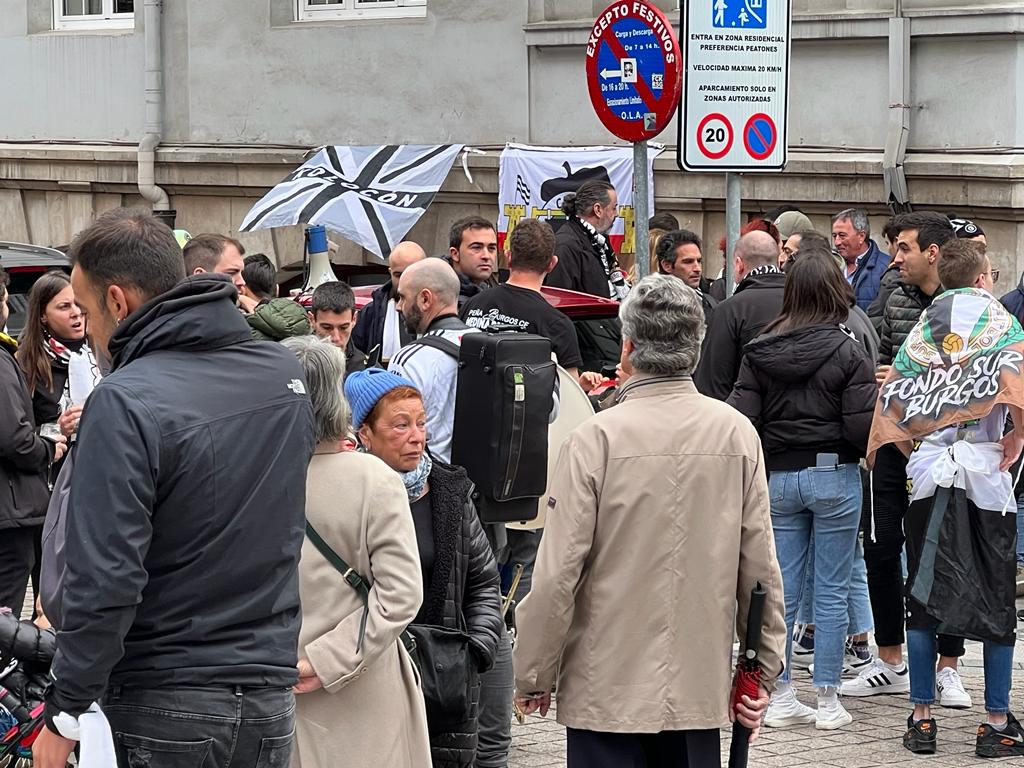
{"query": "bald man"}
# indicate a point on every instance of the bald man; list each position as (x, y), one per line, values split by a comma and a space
(379, 328)
(756, 302)
(428, 300)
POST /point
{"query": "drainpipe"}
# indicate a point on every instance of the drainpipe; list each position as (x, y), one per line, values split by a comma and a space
(897, 193)
(152, 19)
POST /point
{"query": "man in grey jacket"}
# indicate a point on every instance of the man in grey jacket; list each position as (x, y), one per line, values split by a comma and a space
(180, 596)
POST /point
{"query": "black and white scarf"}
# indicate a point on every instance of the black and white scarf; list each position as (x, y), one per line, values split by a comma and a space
(618, 288)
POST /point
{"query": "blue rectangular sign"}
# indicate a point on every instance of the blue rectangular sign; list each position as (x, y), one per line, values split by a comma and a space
(739, 14)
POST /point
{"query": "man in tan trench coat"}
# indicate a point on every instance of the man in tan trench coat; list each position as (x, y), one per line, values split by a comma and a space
(658, 527)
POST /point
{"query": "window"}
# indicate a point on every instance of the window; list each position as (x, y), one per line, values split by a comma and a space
(93, 14)
(334, 10)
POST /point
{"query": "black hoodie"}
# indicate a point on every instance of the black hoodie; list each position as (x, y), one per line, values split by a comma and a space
(737, 320)
(808, 391)
(187, 507)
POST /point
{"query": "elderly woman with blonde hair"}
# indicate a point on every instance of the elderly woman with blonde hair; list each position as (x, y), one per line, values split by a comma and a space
(360, 702)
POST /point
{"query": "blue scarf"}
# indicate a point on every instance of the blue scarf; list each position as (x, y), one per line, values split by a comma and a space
(416, 479)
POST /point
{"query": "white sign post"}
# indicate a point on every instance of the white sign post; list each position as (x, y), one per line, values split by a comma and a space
(735, 85)
(735, 101)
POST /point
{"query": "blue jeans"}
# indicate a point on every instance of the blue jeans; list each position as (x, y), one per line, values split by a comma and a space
(819, 504)
(859, 604)
(922, 649)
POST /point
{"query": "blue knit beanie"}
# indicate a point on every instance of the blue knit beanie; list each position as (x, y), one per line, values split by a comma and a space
(364, 388)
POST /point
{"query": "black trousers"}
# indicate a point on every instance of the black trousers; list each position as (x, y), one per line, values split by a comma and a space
(19, 561)
(883, 556)
(230, 727)
(668, 749)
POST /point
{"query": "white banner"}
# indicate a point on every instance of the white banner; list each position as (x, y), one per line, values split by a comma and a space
(533, 180)
(371, 195)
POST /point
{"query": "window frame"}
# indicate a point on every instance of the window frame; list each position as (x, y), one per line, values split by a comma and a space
(351, 10)
(106, 19)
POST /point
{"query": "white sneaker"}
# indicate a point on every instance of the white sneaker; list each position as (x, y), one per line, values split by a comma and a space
(785, 711)
(951, 689)
(831, 714)
(875, 679)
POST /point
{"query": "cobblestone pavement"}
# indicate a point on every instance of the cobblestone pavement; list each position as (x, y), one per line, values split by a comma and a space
(873, 739)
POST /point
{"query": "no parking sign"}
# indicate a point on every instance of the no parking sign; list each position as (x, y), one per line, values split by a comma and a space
(735, 85)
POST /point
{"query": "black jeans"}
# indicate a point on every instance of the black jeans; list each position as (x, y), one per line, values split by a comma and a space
(883, 555)
(223, 727)
(668, 749)
(19, 560)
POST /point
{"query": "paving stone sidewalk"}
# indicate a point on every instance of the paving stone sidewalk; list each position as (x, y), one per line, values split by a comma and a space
(873, 739)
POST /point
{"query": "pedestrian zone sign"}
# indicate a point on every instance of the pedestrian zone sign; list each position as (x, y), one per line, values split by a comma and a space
(735, 97)
(739, 14)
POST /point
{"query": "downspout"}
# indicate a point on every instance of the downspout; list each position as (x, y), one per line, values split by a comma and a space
(897, 193)
(152, 19)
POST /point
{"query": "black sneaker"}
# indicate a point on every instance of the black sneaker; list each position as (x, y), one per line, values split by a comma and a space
(920, 736)
(1006, 743)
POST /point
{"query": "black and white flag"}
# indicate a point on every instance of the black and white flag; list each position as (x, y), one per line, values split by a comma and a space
(371, 195)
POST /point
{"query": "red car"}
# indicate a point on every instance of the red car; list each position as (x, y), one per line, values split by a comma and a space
(596, 321)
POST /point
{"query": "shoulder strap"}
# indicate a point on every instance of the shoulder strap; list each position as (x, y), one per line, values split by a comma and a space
(353, 577)
(439, 342)
(358, 583)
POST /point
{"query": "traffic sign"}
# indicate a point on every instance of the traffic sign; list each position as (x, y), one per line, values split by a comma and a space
(634, 69)
(760, 136)
(737, 73)
(714, 136)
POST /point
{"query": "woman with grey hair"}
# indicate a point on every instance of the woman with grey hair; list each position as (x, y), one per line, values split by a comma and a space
(658, 517)
(360, 702)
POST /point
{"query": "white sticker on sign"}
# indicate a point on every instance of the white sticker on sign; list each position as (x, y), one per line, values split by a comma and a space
(736, 85)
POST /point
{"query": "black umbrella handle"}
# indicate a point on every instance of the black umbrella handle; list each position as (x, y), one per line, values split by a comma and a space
(739, 748)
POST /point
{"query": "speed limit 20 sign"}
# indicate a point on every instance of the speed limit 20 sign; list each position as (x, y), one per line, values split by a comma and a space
(735, 96)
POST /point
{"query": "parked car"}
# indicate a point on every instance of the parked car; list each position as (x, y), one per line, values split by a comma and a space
(25, 264)
(596, 321)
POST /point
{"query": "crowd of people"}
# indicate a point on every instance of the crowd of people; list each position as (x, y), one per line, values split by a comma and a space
(240, 512)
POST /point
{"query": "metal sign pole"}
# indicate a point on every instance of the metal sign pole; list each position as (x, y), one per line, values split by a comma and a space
(732, 226)
(640, 208)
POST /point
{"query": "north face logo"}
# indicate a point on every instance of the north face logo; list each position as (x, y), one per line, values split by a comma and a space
(297, 387)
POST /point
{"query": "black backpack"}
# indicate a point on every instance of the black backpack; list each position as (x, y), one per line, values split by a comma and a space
(502, 409)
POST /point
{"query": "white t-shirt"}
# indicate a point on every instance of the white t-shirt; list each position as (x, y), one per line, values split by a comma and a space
(435, 373)
(392, 341)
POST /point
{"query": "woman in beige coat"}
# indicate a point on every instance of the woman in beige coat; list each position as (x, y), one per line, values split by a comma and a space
(360, 702)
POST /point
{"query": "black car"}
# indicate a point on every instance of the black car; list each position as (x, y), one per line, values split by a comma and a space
(25, 264)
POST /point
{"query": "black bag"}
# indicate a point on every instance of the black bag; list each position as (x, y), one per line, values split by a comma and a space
(449, 675)
(502, 410)
(966, 575)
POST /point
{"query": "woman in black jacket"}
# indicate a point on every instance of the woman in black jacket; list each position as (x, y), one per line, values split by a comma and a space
(460, 578)
(54, 333)
(808, 387)
(25, 458)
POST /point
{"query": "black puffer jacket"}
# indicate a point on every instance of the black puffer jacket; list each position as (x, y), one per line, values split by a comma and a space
(24, 455)
(808, 391)
(902, 311)
(463, 594)
(890, 279)
(736, 321)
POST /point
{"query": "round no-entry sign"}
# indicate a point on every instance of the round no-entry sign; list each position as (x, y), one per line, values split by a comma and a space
(634, 70)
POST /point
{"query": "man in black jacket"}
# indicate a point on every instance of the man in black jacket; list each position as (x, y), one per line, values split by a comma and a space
(184, 527)
(919, 236)
(379, 329)
(679, 254)
(473, 254)
(740, 318)
(25, 458)
(586, 261)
